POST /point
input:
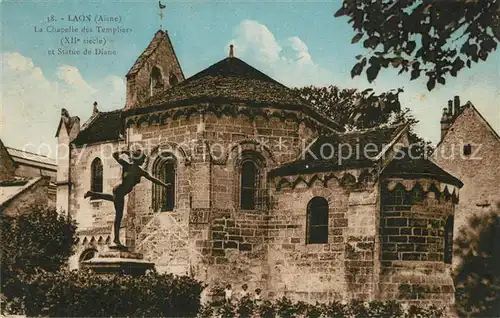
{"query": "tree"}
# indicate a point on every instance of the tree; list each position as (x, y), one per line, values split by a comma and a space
(351, 108)
(477, 278)
(421, 147)
(38, 239)
(434, 37)
(355, 110)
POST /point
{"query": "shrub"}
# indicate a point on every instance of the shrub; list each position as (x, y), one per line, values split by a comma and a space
(334, 309)
(25, 240)
(266, 309)
(284, 307)
(245, 307)
(477, 278)
(38, 239)
(83, 293)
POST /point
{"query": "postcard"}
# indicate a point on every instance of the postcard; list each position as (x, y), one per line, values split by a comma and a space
(274, 157)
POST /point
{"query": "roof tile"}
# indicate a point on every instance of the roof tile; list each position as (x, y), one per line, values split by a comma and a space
(106, 126)
(231, 81)
(415, 168)
(341, 151)
(30, 156)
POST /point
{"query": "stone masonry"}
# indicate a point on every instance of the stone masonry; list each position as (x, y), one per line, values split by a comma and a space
(210, 126)
(479, 170)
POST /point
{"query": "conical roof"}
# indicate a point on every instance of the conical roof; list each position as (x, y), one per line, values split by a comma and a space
(231, 80)
(408, 167)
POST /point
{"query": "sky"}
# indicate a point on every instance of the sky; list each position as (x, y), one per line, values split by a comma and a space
(296, 42)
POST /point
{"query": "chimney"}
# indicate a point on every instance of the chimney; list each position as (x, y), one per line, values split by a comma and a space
(65, 117)
(95, 110)
(446, 119)
(456, 105)
(231, 50)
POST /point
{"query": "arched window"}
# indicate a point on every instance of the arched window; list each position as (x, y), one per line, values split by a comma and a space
(172, 79)
(156, 81)
(249, 185)
(317, 221)
(250, 167)
(448, 240)
(165, 169)
(86, 255)
(96, 175)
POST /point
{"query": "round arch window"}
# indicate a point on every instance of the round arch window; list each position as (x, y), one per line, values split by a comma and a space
(172, 80)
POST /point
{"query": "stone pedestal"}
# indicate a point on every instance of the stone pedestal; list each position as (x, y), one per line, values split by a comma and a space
(119, 260)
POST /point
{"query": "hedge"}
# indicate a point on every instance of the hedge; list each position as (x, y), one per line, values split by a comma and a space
(285, 308)
(85, 294)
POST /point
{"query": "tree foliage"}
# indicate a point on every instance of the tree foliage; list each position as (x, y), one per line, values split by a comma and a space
(86, 294)
(351, 108)
(355, 110)
(38, 239)
(477, 278)
(431, 37)
(284, 307)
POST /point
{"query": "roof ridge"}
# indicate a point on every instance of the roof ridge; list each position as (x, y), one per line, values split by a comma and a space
(468, 104)
(104, 126)
(167, 37)
(33, 153)
(94, 117)
(205, 72)
(89, 121)
(154, 42)
(488, 125)
(118, 110)
(29, 184)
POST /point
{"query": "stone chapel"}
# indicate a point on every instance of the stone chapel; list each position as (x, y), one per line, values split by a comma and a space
(263, 189)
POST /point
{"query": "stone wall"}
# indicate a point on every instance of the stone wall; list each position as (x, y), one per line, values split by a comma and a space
(207, 235)
(28, 171)
(24, 170)
(94, 217)
(96, 243)
(236, 252)
(163, 237)
(413, 243)
(7, 166)
(341, 269)
(90, 213)
(36, 194)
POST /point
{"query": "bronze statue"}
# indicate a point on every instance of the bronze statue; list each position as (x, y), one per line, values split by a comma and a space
(131, 176)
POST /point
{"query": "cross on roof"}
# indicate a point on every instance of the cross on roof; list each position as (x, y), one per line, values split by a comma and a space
(161, 7)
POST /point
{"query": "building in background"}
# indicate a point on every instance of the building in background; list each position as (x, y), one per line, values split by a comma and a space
(470, 150)
(25, 179)
(29, 164)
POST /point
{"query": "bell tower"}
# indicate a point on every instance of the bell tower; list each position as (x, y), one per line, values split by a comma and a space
(155, 70)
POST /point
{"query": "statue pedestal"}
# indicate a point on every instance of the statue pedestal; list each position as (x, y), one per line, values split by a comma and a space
(118, 260)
